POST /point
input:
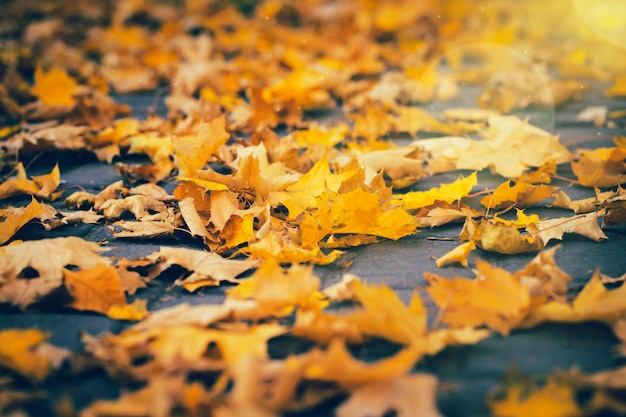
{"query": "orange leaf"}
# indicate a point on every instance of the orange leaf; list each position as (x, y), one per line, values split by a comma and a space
(95, 289)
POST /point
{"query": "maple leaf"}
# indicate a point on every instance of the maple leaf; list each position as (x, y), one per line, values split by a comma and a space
(445, 192)
(495, 298)
(555, 398)
(207, 269)
(499, 237)
(13, 218)
(584, 205)
(361, 213)
(582, 224)
(26, 352)
(505, 148)
(408, 395)
(602, 167)
(337, 364)
(521, 195)
(253, 172)
(544, 278)
(95, 289)
(594, 302)
(443, 214)
(193, 152)
(139, 205)
(21, 257)
(40, 186)
(142, 229)
(276, 290)
(386, 316)
(55, 87)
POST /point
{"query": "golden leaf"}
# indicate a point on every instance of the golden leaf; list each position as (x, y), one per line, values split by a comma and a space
(13, 218)
(521, 195)
(602, 167)
(336, 364)
(594, 302)
(409, 395)
(555, 398)
(47, 259)
(95, 289)
(277, 290)
(458, 254)
(27, 353)
(494, 298)
(206, 267)
(55, 87)
(499, 237)
(193, 151)
(41, 185)
(446, 192)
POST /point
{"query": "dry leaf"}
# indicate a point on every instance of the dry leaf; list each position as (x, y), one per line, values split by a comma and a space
(27, 353)
(13, 218)
(495, 298)
(458, 254)
(410, 395)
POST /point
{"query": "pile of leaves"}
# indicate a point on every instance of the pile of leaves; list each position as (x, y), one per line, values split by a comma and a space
(276, 155)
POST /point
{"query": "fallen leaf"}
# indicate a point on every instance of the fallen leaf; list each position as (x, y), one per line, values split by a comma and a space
(207, 269)
(13, 218)
(495, 298)
(95, 289)
(409, 395)
(458, 254)
(593, 303)
(26, 352)
(582, 224)
(21, 259)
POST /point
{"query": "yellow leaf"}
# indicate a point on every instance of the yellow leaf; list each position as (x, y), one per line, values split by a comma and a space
(385, 315)
(13, 218)
(277, 290)
(27, 353)
(137, 310)
(521, 195)
(194, 151)
(593, 303)
(555, 398)
(494, 298)
(336, 364)
(48, 258)
(41, 185)
(499, 237)
(458, 254)
(55, 87)
(206, 267)
(238, 230)
(446, 192)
